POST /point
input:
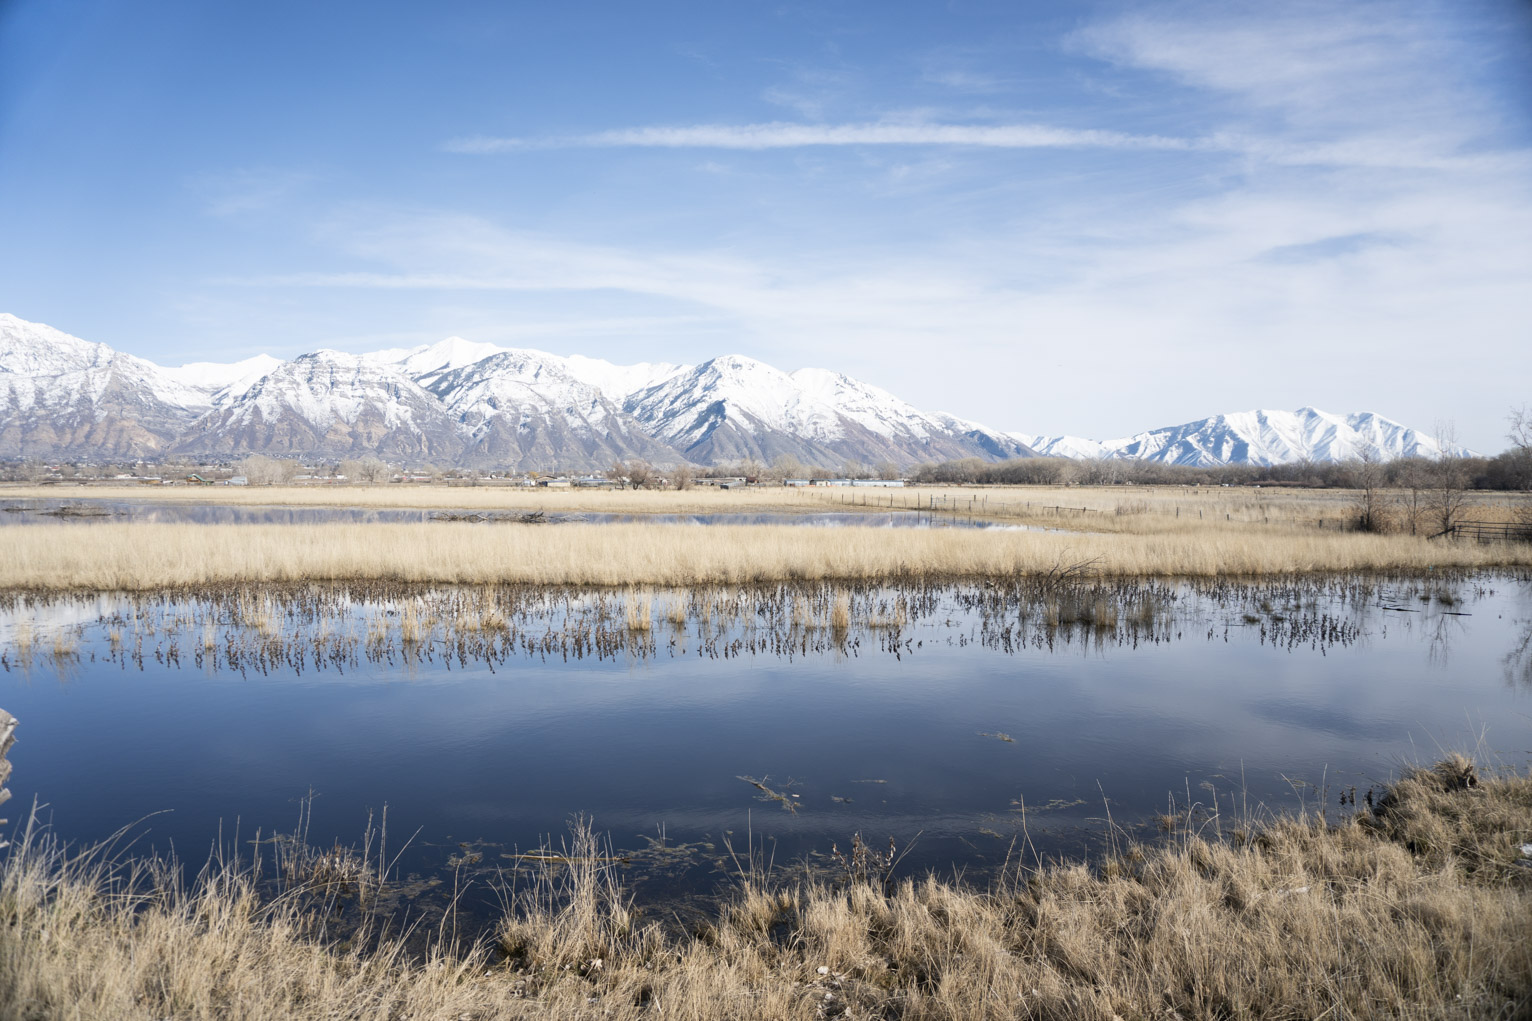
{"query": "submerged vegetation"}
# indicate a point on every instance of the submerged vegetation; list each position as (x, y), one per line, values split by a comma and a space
(340, 626)
(1418, 906)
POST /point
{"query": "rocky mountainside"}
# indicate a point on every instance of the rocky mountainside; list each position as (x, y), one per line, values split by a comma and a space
(329, 403)
(457, 401)
(1256, 437)
(461, 402)
(733, 408)
(523, 409)
(60, 395)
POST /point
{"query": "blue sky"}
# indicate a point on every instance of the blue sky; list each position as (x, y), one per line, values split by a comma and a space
(1083, 218)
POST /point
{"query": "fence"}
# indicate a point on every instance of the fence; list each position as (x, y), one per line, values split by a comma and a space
(1490, 531)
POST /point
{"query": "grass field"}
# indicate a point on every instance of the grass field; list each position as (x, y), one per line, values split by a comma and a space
(1418, 909)
(1108, 532)
(138, 557)
(1138, 510)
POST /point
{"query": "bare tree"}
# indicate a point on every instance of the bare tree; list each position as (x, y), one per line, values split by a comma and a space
(1413, 476)
(888, 471)
(681, 477)
(786, 466)
(1368, 479)
(640, 474)
(1450, 473)
(1101, 471)
(1520, 432)
(260, 470)
(369, 470)
(1520, 435)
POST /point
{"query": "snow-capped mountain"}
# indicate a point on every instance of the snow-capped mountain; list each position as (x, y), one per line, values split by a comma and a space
(618, 381)
(734, 408)
(63, 395)
(522, 409)
(462, 402)
(332, 403)
(1256, 437)
(223, 381)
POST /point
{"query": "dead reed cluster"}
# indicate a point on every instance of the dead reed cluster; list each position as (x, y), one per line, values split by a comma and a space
(259, 628)
(139, 557)
(1137, 510)
(1418, 907)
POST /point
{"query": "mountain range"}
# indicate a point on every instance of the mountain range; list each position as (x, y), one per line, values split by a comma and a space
(460, 402)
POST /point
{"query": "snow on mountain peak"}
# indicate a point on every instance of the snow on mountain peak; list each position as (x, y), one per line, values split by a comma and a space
(1260, 437)
(459, 398)
(224, 379)
(618, 381)
(36, 349)
(444, 356)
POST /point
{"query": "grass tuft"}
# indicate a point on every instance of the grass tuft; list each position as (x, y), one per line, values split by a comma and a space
(1415, 909)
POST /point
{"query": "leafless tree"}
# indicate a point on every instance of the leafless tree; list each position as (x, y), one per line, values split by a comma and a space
(640, 474)
(888, 471)
(1520, 432)
(1450, 473)
(260, 470)
(1413, 476)
(786, 466)
(681, 476)
(1368, 479)
(1520, 435)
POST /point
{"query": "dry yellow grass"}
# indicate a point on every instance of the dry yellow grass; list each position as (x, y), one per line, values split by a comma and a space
(136, 557)
(1140, 510)
(1417, 912)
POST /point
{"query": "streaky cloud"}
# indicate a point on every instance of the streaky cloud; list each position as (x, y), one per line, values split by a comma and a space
(787, 135)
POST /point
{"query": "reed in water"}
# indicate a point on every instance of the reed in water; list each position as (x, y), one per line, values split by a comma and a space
(137, 557)
(1416, 907)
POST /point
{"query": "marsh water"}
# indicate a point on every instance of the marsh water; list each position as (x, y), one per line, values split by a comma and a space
(967, 723)
(93, 511)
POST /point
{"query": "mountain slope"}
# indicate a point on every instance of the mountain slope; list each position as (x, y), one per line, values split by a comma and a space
(523, 410)
(735, 408)
(63, 396)
(1256, 437)
(472, 403)
(332, 404)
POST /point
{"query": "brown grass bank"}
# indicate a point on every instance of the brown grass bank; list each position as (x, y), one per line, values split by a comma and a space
(1419, 909)
(150, 556)
(1139, 510)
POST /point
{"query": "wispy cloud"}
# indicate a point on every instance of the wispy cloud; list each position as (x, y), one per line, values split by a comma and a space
(786, 135)
(1364, 72)
(1380, 150)
(248, 191)
(1339, 202)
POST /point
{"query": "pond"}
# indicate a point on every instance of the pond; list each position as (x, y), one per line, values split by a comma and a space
(34, 512)
(967, 723)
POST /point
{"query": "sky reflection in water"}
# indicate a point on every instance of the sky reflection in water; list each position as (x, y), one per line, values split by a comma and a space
(658, 734)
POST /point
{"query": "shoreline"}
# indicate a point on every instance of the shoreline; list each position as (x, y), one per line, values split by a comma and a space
(1420, 906)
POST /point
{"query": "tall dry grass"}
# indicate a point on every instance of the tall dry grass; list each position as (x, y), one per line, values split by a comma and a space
(136, 557)
(1417, 910)
(1138, 510)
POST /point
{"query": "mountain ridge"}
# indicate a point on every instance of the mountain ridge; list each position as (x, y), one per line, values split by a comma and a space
(469, 402)
(1260, 437)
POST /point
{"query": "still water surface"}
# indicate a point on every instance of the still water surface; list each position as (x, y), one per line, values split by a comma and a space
(939, 714)
(34, 512)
